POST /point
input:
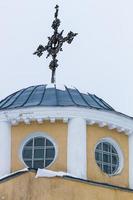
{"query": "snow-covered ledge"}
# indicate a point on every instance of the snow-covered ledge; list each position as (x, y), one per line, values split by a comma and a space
(5, 148)
(49, 174)
(76, 148)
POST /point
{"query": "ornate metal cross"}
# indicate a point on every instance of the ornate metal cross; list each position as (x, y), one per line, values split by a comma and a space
(55, 43)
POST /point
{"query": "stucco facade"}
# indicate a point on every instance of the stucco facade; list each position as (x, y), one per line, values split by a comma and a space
(57, 131)
(27, 187)
(94, 134)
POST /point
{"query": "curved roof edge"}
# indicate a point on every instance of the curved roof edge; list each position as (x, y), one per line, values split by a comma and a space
(53, 95)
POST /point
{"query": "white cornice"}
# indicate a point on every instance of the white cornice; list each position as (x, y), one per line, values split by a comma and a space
(113, 120)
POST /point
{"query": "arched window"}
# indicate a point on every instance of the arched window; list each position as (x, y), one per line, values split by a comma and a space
(38, 152)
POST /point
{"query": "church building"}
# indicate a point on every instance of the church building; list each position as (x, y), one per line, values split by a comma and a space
(58, 143)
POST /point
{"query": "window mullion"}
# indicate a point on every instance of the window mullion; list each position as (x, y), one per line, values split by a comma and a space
(102, 155)
(45, 152)
(111, 158)
(33, 153)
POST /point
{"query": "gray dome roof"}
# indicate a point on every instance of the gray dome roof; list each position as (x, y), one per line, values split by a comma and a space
(51, 95)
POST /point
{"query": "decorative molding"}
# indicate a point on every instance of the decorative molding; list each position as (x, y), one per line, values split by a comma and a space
(102, 124)
(91, 122)
(14, 122)
(111, 126)
(40, 120)
(119, 129)
(52, 119)
(65, 120)
(27, 121)
(111, 119)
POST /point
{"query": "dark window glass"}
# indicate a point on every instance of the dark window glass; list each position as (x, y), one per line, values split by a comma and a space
(105, 147)
(38, 152)
(99, 146)
(115, 159)
(30, 143)
(39, 141)
(38, 164)
(47, 162)
(114, 151)
(98, 156)
(113, 169)
(27, 153)
(28, 163)
(48, 143)
(107, 169)
(50, 153)
(106, 158)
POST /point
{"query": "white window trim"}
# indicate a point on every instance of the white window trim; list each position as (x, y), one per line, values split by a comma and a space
(119, 151)
(37, 134)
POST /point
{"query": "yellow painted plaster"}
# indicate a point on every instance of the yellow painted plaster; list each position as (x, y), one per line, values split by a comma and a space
(94, 134)
(57, 130)
(27, 187)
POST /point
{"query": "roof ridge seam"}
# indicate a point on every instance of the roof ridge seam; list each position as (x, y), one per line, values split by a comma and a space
(67, 89)
(106, 104)
(30, 95)
(83, 98)
(42, 95)
(97, 102)
(21, 92)
(57, 100)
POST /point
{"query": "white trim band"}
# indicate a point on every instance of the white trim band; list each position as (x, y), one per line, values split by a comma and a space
(113, 120)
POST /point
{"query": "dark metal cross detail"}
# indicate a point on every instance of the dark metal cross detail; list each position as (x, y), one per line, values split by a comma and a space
(55, 43)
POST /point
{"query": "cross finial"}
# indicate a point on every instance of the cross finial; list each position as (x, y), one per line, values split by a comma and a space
(55, 43)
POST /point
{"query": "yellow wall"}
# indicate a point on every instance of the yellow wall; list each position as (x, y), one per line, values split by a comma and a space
(57, 130)
(26, 187)
(94, 134)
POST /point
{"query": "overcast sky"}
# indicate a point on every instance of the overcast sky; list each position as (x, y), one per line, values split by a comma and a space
(100, 59)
